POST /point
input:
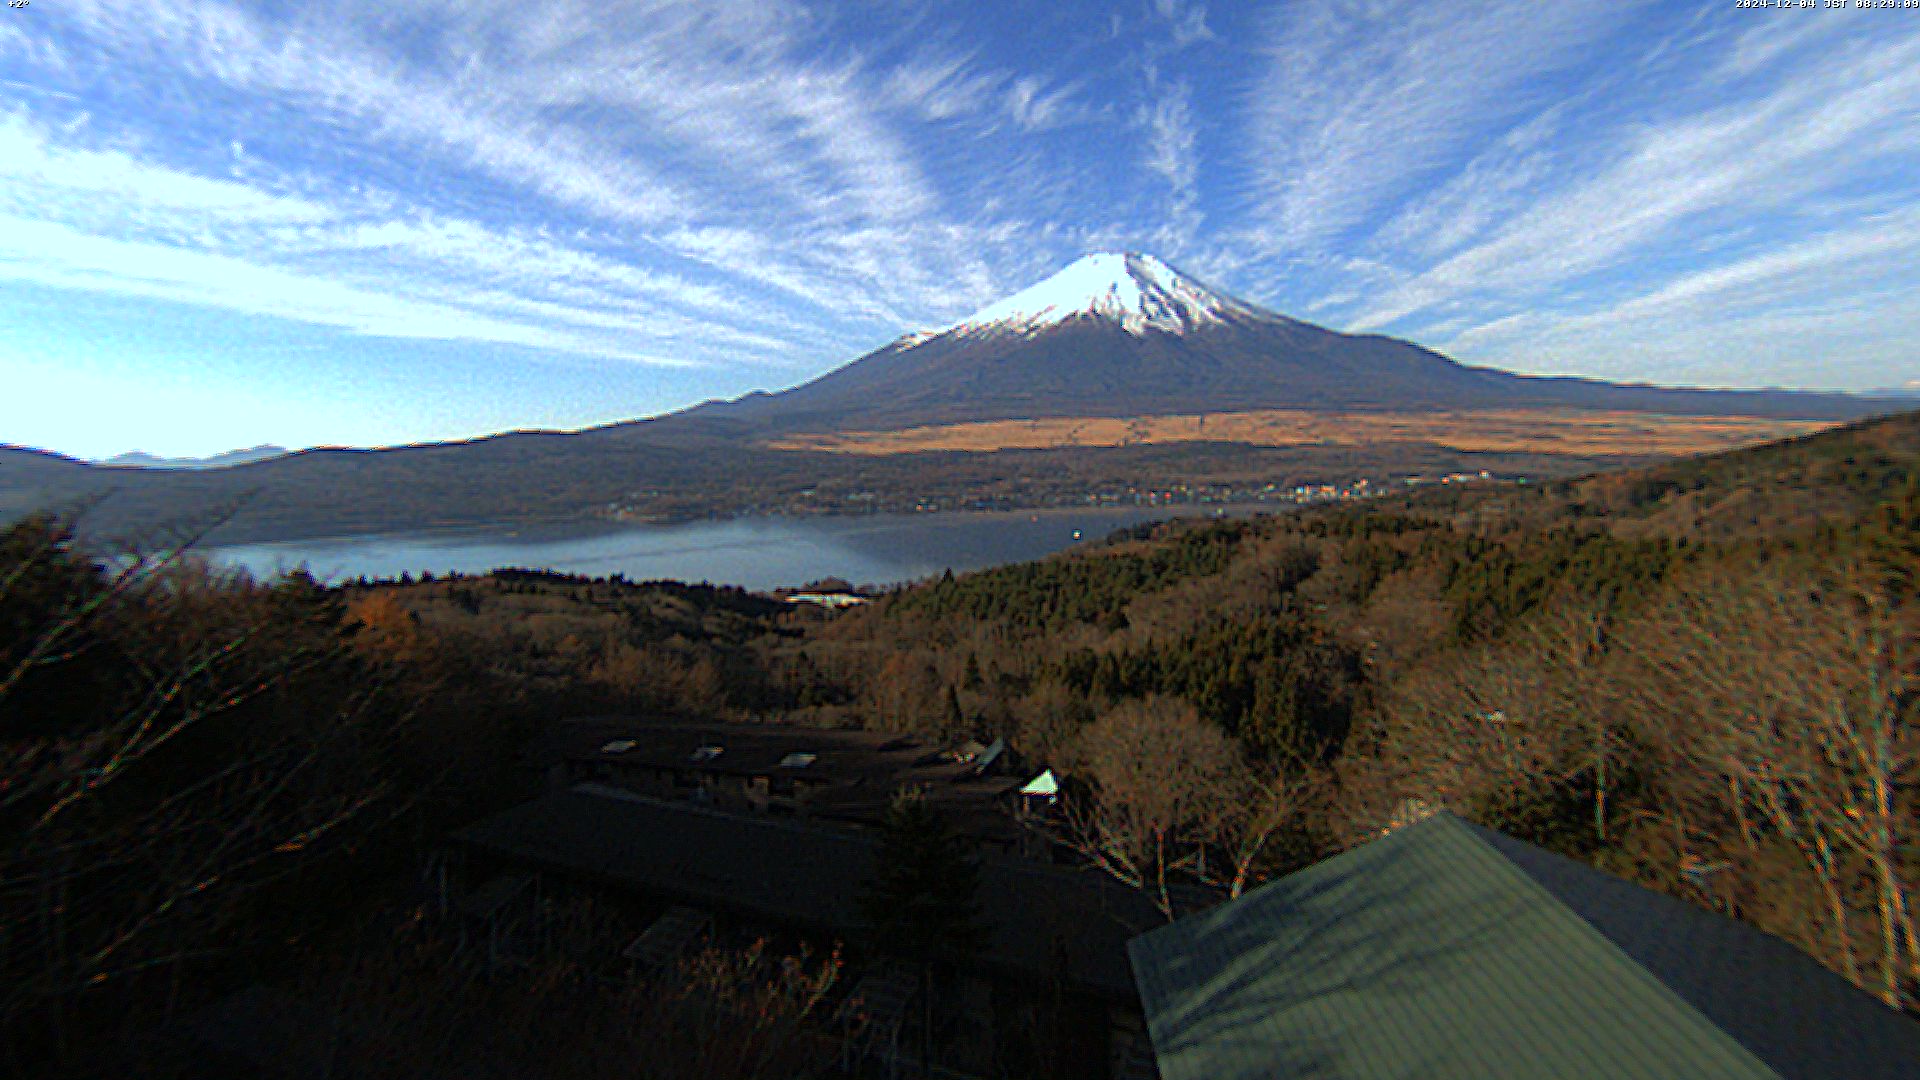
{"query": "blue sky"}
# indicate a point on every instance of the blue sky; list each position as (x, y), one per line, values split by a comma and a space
(361, 223)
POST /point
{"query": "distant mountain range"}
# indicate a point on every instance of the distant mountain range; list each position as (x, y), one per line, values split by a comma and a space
(137, 459)
(1906, 391)
(1116, 335)
(1176, 383)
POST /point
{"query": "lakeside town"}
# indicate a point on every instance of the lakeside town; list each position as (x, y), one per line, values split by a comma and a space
(819, 500)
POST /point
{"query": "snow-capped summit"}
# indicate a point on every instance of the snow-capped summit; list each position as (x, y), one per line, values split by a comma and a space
(1137, 291)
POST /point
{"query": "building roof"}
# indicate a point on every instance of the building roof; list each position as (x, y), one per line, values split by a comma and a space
(1044, 784)
(854, 774)
(1448, 950)
(747, 749)
(1042, 921)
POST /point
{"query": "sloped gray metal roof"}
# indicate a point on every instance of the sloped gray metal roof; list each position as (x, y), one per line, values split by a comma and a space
(1446, 950)
(1041, 920)
(1798, 1017)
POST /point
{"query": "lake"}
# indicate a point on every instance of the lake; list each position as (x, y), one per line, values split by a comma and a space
(758, 553)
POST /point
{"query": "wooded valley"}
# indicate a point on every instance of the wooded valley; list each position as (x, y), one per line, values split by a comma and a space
(1699, 676)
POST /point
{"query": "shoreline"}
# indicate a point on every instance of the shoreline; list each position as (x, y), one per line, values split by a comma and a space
(591, 525)
(758, 553)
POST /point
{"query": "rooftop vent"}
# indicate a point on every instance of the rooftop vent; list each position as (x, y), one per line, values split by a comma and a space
(798, 760)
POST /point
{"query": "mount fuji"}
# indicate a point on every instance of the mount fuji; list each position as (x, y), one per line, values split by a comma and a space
(1139, 292)
(1117, 373)
(1127, 335)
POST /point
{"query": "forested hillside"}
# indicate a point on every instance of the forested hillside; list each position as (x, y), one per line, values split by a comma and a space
(1700, 676)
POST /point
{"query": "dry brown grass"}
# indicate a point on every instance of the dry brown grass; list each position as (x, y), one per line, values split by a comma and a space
(1548, 431)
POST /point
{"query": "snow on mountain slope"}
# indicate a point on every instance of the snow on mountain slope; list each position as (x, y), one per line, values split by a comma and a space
(1139, 292)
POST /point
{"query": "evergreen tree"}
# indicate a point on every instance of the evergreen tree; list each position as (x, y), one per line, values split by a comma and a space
(922, 905)
(970, 675)
(956, 719)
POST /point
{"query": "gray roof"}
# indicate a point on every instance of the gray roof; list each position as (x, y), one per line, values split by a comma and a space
(812, 878)
(854, 773)
(1449, 950)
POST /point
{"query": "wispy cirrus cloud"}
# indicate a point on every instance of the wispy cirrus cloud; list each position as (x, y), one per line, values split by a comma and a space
(1361, 102)
(1775, 311)
(1184, 23)
(944, 85)
(106, 220)
(1699, 172)
(1171, 153)
(1504, 196)
(712, 138)
(64, 257)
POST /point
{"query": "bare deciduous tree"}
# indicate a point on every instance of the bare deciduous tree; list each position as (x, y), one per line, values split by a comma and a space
(1262, 804)
(140, 812)
(1794, 699)
(1164, 785)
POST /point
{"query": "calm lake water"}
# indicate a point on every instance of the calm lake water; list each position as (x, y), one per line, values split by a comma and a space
(758, 553)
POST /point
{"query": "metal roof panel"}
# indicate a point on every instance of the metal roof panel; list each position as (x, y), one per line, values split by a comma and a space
(1425, 953)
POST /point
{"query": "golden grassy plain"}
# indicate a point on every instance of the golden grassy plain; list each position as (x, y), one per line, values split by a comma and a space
(1545, 431)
